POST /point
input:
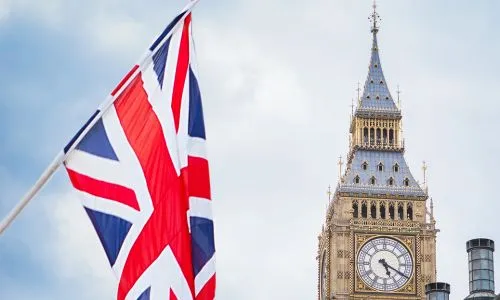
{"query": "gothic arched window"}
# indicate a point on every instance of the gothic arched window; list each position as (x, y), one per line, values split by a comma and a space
(373, 180)
(400, 211)
(391, 211)
(364, 166)
(382, 210)
(373, 211)
(406, 182)
(409, 212)
(380, 167)
(356, 179)
(396, 167)
(364, 211)
(355, 209)
(391, 181)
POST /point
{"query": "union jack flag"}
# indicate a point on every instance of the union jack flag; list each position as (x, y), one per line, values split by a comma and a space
(142, 169)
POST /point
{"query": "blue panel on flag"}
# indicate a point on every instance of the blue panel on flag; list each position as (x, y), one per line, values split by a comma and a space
(196, 126)
(96, 142)
(202, 242)
(166, 31)
(73, 140)
(111, 231)
(145, 294)
(160, 60)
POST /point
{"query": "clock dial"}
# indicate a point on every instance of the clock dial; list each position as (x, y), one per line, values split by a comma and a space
(323, 280)
(384, 264)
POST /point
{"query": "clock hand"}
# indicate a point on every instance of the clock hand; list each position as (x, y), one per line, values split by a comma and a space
(397, 271)
(382, 261)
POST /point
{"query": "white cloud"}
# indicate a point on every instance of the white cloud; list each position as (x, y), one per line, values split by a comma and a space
(277, 79)
(4, 9)
(74, 248)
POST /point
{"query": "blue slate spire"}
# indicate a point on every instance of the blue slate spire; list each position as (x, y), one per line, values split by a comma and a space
(376, 165)
(376, 97)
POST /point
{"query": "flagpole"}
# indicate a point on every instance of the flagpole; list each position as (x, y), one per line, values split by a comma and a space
(62, 156)
(44, 178)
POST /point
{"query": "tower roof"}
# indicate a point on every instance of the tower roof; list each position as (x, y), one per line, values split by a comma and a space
(388, 170)
(376, 99)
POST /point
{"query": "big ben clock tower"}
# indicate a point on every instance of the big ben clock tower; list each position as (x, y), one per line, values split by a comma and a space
(378, 241)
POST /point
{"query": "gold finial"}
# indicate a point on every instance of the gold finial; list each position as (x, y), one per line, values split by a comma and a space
(424, 168)
(352, 107)
(329, 193)
(399, 100)
(374, 18)
(359, 90)
(432, 210)
(340, 163)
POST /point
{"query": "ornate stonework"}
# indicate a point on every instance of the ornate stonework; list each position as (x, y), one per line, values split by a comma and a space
(377, 201)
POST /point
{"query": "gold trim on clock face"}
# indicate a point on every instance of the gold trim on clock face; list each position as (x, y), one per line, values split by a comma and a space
(384, 264)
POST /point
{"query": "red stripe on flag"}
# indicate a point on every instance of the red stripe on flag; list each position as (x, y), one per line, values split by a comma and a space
(103, 189)
(122, 82)
(180, 73)
(199, 177)
(172, 295)
(167, 225)
(208, 291)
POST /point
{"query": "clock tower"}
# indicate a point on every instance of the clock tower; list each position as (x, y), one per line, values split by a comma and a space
(379, 240)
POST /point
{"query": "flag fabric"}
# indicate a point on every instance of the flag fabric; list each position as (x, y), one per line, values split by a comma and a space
(143, 173)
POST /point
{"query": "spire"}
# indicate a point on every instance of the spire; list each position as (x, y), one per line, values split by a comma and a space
(374, 17)
(376, 97)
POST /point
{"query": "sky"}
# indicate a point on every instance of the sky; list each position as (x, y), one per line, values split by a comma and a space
(277, 79)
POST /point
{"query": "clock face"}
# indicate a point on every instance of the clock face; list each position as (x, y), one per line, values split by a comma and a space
(384, 264)
(323, 281)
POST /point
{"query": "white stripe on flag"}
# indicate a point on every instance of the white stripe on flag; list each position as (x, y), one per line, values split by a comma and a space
(109, 207)
(99, 168)
(200, 207)
(204, 275)
(196, 147)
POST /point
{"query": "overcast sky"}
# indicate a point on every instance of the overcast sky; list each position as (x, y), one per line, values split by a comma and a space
(277, 79)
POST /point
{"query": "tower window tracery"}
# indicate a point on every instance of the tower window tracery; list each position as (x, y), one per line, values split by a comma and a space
(391, 211)
(400, 211)
(406, 182)
(373, 180)
(391, 181)
(364, 211)
(396, 167)
(382, 210)
(409, 212)
(364, 166)
(373, 211)
(356, 179)
(380, 167)
(355, 209)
